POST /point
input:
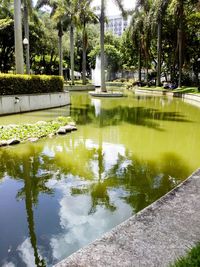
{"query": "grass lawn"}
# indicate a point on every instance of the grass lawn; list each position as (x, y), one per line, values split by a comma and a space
(192, 258)
(185, 90)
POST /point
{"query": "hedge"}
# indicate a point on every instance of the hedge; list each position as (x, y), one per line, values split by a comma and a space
(11, 84)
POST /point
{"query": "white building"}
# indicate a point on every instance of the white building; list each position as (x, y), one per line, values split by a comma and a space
(116, 24)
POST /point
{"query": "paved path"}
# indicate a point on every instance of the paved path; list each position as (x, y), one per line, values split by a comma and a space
(155, 236)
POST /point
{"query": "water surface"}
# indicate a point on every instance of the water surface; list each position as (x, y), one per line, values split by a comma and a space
(59, 194)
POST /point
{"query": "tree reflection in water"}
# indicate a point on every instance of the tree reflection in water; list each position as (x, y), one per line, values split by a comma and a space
(142, 181)
(31, 167)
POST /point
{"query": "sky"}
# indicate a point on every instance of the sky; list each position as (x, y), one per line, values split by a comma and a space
(111, 8)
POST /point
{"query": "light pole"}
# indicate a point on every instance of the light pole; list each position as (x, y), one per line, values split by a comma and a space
(26, 45)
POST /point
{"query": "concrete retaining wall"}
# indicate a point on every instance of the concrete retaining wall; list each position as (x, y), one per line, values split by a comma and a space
(192, 99)
(89, 87)
(152, 92)
(115, 84)
(24, 103)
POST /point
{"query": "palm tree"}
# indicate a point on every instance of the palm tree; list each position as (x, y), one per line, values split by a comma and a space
(179, 11)
(180, 39)
(67, 11)
(135, 31)
(27, 7)
(146, 12)
(160, 8)
(19, 61)
(54, 5)
(60, 47)
(141, 33)
(86, 16)
(102, 22)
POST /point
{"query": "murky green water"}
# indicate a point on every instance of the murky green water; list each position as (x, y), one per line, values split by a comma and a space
(59, 194)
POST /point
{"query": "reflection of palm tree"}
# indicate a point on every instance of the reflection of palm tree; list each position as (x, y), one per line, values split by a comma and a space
(29, 167)
(28, 195)
(146, 181)
(69, 162)
(99, 190)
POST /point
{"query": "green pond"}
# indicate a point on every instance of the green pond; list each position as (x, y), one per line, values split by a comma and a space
(59, 194)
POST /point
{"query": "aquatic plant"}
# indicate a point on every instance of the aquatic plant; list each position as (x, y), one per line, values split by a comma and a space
(38, 130)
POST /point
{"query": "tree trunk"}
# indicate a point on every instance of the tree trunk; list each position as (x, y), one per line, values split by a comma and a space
(60, 48)
(84, 55)
(19, 61)
(26, 34)
(147, 72)
(103, 84)
(72, 52)
(159, 48)
(180, 44)
(139, 63)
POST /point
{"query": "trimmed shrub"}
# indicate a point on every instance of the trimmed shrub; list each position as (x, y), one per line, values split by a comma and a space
(11, 84)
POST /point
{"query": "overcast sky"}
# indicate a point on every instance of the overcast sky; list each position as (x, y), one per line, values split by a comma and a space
(111, 7)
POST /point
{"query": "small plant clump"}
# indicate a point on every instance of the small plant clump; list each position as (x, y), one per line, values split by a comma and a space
(192, 259)
(37, 130)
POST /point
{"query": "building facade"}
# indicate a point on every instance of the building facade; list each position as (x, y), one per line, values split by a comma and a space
(116, 24)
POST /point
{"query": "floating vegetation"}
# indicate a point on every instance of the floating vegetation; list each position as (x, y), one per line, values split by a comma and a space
(16, 133)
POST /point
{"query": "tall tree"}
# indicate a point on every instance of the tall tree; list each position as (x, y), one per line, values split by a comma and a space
(27, 6)
(6, 36)
(54, 6)
(143, 12)
(19, 61)
(160, 8)
(102, 22)
(86, 16)
(180, 11)
(67, 11)
(136, 32)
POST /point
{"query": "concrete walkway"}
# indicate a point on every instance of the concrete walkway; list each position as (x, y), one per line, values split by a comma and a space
(156, 236)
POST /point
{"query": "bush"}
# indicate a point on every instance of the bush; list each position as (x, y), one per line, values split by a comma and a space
(11, 84)
(187, 80)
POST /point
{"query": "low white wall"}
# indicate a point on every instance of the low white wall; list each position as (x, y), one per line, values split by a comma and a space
(152, 92)
(191, 99)
(88, 87)
(23, 103)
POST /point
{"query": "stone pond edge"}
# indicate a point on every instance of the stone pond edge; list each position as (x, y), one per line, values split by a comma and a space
(190, 98)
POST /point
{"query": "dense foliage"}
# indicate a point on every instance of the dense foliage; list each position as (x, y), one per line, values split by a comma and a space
(11, 84)
(164, 34)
